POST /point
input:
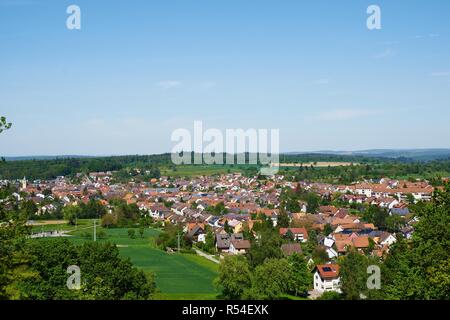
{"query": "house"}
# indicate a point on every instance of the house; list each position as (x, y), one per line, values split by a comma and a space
(326, 278)
(223, 242)
(194, 230)
(239, 246)
(331, 253)
(157, 211)
(291, 248)
(407, 231)
(179, 209)
(299, 234)
(400, 210)
(236, 225)
(327, 210)
(344, 241)
(363, 189)
(342, 213)
(360, 242)
(385, 238)
(201, 238)
(328, 241)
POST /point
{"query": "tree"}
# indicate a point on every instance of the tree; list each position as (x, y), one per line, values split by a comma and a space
(234, 277)
(313, 201)
(126, 214)
(132, 233)
(93, 209)
(283, 219)
(410, 198)
(376, 215)
(394, 223)
(218, 209)
(227, 227)
(289, 235)
(71, 213)
(14, 258)
(4, 125)
(104, 274)
(327, 229)
(271, 280)
(330, 295)
(141, 232)
(301, 276)
(379, 218)
(28, 209)
(353, 274)
(320, 255)
(108, 220)
(267, 246)
(419, 269)
(209, 245)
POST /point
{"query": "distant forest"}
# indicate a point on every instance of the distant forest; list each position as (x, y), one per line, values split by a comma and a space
(368, 167)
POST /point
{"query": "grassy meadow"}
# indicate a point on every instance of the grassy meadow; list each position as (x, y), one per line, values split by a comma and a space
(178, 276)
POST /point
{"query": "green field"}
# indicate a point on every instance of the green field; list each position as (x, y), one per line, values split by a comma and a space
(178, 276)
(200, 170)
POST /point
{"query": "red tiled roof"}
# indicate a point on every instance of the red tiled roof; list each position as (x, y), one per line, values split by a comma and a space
(328, 271)
(303, 231)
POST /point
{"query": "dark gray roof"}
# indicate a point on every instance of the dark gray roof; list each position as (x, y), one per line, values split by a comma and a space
(223, 241)
(291, 248)
(400, 211)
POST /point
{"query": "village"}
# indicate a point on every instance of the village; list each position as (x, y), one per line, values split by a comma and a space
(229, 206)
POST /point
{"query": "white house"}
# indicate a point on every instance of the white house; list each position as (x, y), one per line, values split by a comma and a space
(387, 239)
(332, 253)
(326, 278)
(201, 238)
(239, 246)
(328, 241)
(363, 189)
(179, 209)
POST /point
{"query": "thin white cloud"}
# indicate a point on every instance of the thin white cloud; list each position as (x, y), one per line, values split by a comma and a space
(387, 53)
(169, 84)
(345, 114)
(430, 35)
(440, 74)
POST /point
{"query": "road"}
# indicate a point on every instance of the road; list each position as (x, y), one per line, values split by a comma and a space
(207, 256)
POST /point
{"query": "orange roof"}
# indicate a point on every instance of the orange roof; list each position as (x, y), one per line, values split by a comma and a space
(341, 245)
(341, 236)
(192, 225)
(303, 231)
(361, 242)
(338, 221)
(328, 271)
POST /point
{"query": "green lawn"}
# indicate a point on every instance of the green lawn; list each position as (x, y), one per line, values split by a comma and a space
(199, 170)
(46, 225)
(178, 276)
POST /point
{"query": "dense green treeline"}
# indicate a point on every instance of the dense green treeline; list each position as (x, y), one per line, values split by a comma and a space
(433, 171)
(50, 169)
(366, 167)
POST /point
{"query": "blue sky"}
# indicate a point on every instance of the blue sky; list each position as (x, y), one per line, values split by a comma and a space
(137, 70)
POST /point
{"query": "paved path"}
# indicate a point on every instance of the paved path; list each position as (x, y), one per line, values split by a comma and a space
(314, 294)
(207, 256)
